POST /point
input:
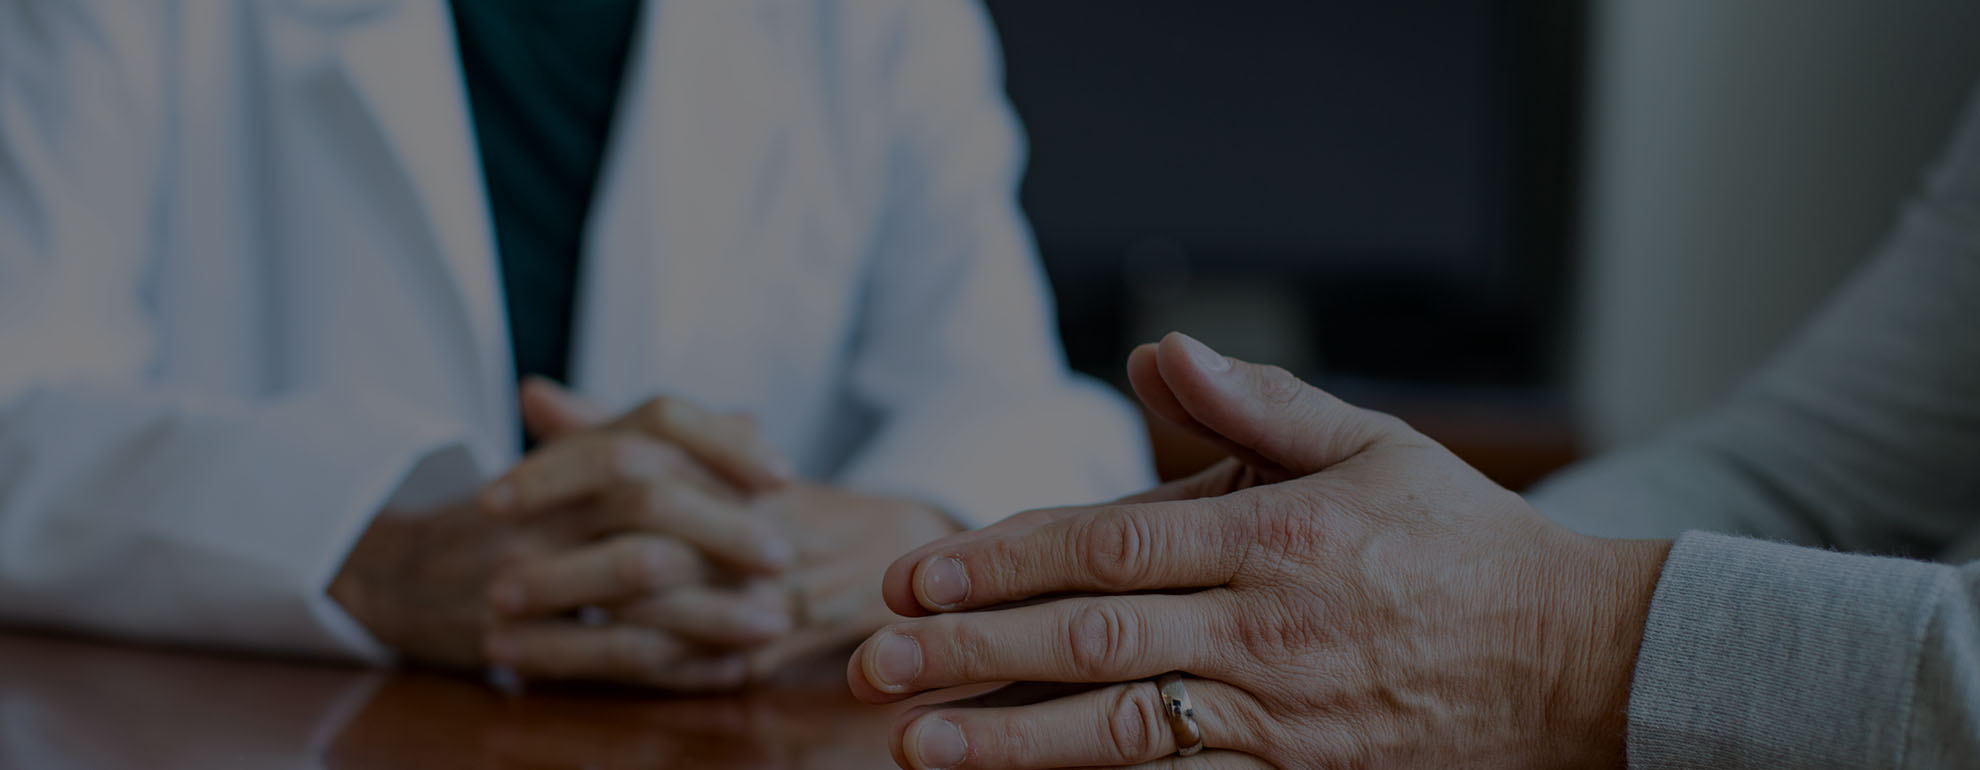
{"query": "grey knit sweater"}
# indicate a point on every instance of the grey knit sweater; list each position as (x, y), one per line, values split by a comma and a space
(1783, 642)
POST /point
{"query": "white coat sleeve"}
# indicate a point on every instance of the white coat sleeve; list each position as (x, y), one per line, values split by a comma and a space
(957, 351)
(127, 509)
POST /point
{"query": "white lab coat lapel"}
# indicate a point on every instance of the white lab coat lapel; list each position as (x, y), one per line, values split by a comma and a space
(676, 233)
(403, 63)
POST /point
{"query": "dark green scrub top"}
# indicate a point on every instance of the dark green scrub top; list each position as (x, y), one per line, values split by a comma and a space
(543, 79)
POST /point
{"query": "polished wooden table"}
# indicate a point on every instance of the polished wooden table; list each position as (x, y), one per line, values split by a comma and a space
(67, 703)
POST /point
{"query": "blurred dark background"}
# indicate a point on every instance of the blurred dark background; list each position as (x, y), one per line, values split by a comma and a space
(1378, 196)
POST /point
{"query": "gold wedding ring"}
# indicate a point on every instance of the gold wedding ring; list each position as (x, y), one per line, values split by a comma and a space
(1182, 713)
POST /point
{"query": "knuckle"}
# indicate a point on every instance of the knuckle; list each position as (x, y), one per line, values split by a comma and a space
(675, 414)
(1261, 637)
(619, 456)
(654, 409)
(651, 504)
(666, 457)
(1286, 524)
(1278, 386)
(656, 416)
(1114, 549)
(1279, 634)
(996, 569)
(639, 565)
(966, 645)
(1135, 725)
(1103, 636)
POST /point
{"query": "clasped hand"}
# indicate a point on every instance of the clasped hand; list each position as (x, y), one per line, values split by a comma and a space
(670, 547)
(1342, 593)
(677, 546)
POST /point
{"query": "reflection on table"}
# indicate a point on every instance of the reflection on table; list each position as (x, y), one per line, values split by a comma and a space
(78, 704)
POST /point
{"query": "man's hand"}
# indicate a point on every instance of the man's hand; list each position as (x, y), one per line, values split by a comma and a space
(1355, 596)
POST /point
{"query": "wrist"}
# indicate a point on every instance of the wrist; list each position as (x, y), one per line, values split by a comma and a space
(358, 586)
(1604, 610)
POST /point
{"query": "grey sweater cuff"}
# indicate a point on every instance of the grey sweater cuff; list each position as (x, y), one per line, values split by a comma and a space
(1762, 654)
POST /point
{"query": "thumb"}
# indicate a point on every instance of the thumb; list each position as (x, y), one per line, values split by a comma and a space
(550, 410)
(1263, 414)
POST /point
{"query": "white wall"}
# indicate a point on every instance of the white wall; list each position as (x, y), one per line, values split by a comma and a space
(1743, 156)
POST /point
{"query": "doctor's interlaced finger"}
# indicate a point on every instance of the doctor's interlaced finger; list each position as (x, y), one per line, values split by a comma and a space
(614, 652)
(728, 446)
(592, 464)
(644, 580)
(613, 483)
(749, 615)
(550, 411)
(622, 568)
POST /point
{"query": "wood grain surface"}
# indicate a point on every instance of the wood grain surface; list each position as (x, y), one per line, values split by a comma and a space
(68, 703)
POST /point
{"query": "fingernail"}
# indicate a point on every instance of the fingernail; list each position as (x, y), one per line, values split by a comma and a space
(500, 497)
(1205, 358)
(940, 744)
(944, 584)
(507, 595)
(896, 661)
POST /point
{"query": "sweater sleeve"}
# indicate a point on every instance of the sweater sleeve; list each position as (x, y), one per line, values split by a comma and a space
(1863, 433)
(1763, 654)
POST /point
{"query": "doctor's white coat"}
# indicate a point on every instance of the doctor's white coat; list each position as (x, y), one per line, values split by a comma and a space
(248, 288)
